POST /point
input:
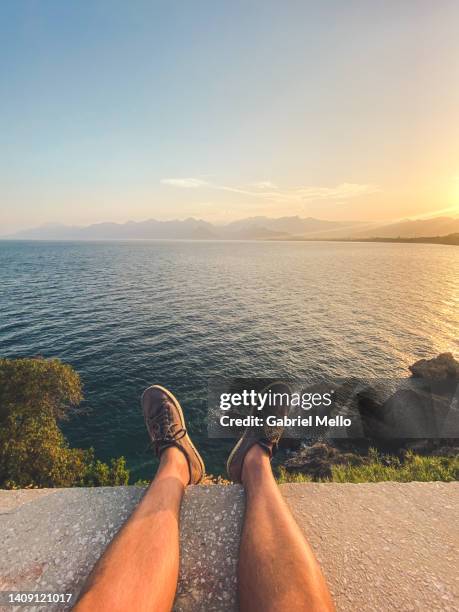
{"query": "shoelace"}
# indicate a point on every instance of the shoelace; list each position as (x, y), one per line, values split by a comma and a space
(163, 429)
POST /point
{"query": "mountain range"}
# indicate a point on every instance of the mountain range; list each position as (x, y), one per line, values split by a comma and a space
(252, 228)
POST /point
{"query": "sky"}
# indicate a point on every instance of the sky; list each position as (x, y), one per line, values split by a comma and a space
(116, 111)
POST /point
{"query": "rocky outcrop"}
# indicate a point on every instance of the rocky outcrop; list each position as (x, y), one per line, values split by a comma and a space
(424, 406)
(317, 460)
(407, 414)
(441, 368)
(420, 412)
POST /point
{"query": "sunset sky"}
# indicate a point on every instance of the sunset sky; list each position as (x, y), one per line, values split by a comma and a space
(114, 110)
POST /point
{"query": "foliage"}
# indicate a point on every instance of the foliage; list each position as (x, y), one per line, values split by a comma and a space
(412, 468)
(37, 387)
(34, 394)
(141, 482)
(100, 474)
(283, 477)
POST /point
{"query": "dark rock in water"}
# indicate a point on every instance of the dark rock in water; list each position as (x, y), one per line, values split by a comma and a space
(443, 367)
(317, 460)
(372, 416)
(407, 413)
(419, 413)
(446, 451)
(424, 406)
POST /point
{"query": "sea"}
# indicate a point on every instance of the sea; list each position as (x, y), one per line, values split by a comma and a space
(129, 314)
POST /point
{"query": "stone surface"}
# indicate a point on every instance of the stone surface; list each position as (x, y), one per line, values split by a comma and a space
(386, 546)
(442, 367)
(317, 460)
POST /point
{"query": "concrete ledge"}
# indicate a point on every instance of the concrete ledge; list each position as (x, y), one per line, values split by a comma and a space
(386, 546)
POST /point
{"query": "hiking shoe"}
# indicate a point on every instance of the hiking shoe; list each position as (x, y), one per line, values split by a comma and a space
(166, 425)
(266, 436)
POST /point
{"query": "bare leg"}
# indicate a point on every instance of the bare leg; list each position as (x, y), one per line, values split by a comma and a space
(139, 569)
(277, 568)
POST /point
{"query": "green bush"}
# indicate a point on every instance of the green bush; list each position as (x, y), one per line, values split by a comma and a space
(102, 475)
(37, 387)
(34, 395)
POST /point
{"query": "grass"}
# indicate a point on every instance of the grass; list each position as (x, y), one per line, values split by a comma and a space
(414, 468)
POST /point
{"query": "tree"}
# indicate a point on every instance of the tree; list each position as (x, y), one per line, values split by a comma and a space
(34, 394)
(37, 387)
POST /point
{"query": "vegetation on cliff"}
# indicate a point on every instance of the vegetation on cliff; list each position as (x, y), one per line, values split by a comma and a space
(379, 468)
(34, 395)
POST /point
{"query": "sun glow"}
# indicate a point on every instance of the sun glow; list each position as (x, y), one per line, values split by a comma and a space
(455, 197)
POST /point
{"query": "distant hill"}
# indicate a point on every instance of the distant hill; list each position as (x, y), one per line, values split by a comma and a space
(283, 225)
(252, 228)
(438, 226)
(189, 229)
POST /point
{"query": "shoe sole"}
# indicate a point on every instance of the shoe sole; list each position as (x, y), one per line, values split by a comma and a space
(182, 420)
(236, 448)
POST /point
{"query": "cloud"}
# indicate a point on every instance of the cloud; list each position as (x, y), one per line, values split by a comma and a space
(264, 185)
(267, 190)
(184, 183)
(341, 191)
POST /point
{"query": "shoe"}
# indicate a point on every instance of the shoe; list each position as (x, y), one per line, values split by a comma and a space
(265, 436)
(166, 426)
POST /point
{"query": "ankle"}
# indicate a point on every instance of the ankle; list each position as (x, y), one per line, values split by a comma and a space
(256, 463)
(173, 461)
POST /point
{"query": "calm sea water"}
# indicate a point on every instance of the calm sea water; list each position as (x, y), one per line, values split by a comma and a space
(129, 314)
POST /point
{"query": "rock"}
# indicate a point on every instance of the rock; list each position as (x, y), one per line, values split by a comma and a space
(317, 460)
(446, 451)
(409, 414)
(440, 368)
(372, 416)
(424, 406)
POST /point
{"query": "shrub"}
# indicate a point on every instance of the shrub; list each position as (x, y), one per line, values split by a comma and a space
(34, 394)
(100, 474)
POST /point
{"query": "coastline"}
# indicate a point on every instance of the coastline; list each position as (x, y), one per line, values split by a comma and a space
(449, 240)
